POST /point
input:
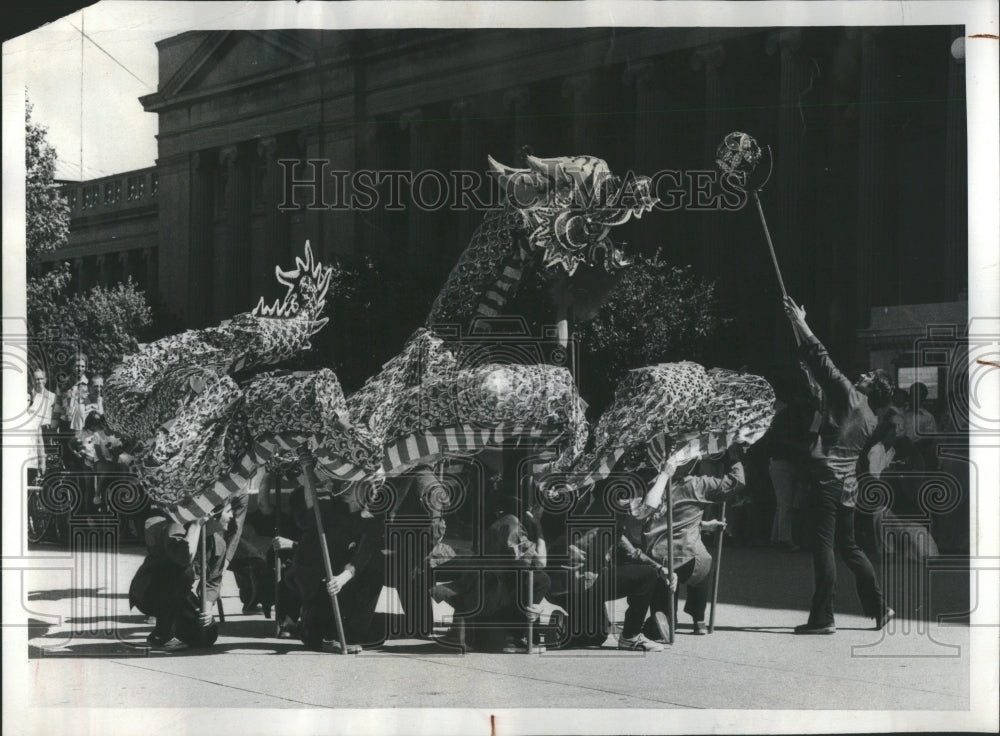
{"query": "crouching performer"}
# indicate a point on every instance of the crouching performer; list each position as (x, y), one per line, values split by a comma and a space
(162, 586)
(605, 565)
(497, 599)
(354, 538)
(692, 494)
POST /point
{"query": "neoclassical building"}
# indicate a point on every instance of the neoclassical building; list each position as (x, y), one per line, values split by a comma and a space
(867, 202)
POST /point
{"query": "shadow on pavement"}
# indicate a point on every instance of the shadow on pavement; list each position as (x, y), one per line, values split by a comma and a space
(58, 595)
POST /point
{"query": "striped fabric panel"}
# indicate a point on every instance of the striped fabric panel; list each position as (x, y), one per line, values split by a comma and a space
(687, 449)
(465, 439)
(201, 505)
(328, 466)
(604, 467)
(661, 450)
(497, 296)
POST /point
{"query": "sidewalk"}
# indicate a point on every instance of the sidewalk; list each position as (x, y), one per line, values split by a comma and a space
(85, 650)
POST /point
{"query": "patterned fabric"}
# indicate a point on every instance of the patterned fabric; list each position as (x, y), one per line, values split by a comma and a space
(672, 413)
(560, 210)
(177, 397)
(424, 406)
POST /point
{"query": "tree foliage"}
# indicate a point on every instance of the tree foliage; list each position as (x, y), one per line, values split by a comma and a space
(656, 313)
(104, 321)
(47, 226)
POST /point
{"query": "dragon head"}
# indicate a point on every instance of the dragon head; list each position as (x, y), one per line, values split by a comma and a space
(305, 297)
(569, 205)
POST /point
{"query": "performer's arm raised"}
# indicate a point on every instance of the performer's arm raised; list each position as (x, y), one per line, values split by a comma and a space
(831, 380)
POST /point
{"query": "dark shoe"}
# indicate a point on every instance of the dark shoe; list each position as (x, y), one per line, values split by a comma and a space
(559, 628)
(333, 645)
(170, 644)
(515, 645)
(700, 629)
(887, 615)
(288, 629)
(249, 608)
(657, 627)
(816, 629)
(156, 640)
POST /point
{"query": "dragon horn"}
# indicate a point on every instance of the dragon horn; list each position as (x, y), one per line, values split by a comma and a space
(502, 169)
(550, 168)
(506, 173)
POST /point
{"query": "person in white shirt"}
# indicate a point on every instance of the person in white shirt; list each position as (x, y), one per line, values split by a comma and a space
(41, 406)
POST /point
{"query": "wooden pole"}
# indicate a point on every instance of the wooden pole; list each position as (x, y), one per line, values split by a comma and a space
(672, 610)
(531, 605)
(327, 566)
(277, 558)
(204, 568)
(719, 534)
(770, 245)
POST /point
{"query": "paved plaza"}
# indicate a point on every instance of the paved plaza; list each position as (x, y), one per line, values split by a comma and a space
(86, 650)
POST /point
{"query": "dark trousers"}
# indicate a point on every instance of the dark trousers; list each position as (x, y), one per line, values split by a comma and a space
(357, 602)
(164, 596)
(492, 601)
(698, 591)
(640, 585)
(833, 530)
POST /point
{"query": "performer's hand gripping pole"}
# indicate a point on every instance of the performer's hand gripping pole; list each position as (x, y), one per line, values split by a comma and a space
(310, 490)
(203, 542)
(719, 534)
(531, 611)
(656, 495)
(275, 487)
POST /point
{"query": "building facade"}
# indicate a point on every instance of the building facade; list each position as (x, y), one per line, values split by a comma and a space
(866, 203)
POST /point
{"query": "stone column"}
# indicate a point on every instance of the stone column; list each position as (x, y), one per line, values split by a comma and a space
(518, 101)
(417, 224)
(103, 270)
(470, 158)
(790, 165)
(873, 227)
(339, 219)
(715, 226)
(310, 146)
(79, 276)
(649, 130)
(267, 249)
(238, 217)
(371, 226)
(152, 286)
(200, 267)
(956, 202)
(174, 237)
(124, 266)
(577, 90)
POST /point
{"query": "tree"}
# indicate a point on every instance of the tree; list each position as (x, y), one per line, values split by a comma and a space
(103, 322)
(47, 212)
(656, 313)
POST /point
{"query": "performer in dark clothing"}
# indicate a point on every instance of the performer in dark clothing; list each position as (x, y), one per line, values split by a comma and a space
(161, 586)
(846, 428)
(493, 599)
(294, 520)
(355, 540)
(606, 566)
